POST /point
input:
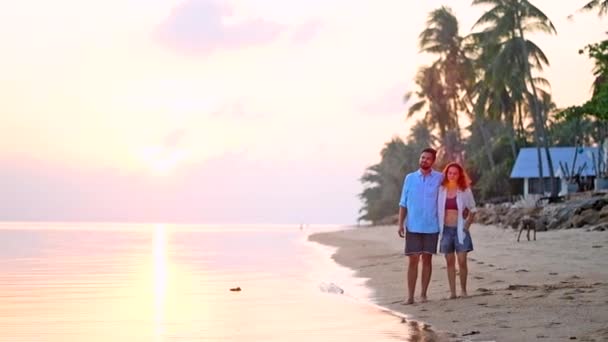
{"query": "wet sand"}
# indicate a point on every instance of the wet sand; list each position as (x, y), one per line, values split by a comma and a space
(552, 289)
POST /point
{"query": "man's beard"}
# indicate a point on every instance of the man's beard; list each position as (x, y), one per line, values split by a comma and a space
(425, 167)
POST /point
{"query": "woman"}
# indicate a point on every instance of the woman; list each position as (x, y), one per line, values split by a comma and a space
(456, 210)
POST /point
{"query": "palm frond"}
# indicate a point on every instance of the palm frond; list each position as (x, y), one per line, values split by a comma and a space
(533, 12)
(537, 54)
(538, 27)
(489, 17)
(542, 82)
(601, 6)
(415, 108)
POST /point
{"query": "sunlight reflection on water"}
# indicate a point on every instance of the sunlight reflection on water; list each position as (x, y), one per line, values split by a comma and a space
(171, 283)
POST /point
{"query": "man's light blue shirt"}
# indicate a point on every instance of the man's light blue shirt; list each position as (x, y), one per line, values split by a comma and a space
(419, 196)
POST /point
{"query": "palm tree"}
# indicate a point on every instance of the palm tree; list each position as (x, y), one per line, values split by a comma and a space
(571, 131)
(506, 23)
(492, 93)
(441, 38)
(383, 181)
(600, 5)
(442, 85)
(420, 136)
(432, 97)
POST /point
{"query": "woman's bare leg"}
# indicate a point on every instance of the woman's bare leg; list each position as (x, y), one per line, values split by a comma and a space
(463, 270)
(451, 266)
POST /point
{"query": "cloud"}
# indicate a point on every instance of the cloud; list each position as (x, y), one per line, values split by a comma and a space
(199, 27)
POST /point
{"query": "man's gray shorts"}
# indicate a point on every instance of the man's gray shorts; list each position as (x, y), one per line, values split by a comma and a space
(416, 243)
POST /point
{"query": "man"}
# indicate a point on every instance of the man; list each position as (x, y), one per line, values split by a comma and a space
(421, 230)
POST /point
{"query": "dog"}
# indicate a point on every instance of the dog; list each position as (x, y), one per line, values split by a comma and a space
(528, 223)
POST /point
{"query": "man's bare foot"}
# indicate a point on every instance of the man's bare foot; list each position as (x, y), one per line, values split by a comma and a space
(464, 295)
(409, 301)
(423, 299)
(453, 296)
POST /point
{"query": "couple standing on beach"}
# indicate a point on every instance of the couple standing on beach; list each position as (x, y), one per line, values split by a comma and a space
(436, 206)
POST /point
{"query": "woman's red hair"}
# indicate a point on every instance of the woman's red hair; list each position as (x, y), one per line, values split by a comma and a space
(463, 179)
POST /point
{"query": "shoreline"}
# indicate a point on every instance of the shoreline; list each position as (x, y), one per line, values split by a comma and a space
(552, 289)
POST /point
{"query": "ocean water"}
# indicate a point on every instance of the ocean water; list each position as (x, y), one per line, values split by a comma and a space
(163, 282)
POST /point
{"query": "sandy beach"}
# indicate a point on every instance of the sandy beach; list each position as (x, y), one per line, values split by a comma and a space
(551, 289)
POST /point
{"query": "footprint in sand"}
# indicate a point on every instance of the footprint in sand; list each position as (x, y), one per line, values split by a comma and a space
(521, 287)
(490, 265)
(478, 277)
(567, 297)
(553, 273)
(474, 332)
(575, 291)
(597, 246)
(522, 270)
(480, 263)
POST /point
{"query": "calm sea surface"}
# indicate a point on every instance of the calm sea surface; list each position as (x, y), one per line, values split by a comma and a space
(155, 282)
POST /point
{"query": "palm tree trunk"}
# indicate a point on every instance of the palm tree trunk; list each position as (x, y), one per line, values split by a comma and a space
(545, 140)
(486, 142)
(511, 131)
(537, 112)
(455, 100)
(540, 158)
(458, 149)
(522, 130)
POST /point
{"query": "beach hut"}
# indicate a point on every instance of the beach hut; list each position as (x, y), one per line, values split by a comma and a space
(526, 167)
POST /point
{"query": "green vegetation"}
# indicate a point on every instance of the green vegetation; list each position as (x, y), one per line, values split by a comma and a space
(597, 106)
(489, 81)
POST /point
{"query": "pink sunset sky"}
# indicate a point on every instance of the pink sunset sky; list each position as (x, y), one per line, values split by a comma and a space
(237, 111)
